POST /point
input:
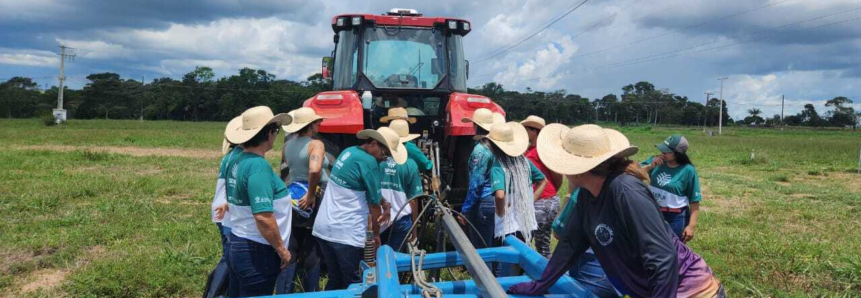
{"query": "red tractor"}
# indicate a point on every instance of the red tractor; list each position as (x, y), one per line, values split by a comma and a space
(402, 59)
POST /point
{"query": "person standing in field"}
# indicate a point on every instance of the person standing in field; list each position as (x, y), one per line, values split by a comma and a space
(400, 183)
(259, 205)
(676, 186)
(219, 278)
(304, 157)
(353, 192)
(546, 201)
(478, 206)
(413, 151)
(618, 218)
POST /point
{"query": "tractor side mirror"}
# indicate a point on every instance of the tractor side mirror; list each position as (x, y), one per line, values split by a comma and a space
(328, 63)
(435, 66)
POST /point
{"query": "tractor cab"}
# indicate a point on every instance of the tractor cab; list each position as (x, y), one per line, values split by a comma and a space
(399, 59)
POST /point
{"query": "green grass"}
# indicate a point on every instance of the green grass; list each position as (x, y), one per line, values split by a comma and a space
(117, 224)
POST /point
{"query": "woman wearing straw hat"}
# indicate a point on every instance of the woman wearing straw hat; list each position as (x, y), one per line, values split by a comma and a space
(676, 185)
(259, 205)
(546, 199)
(479, 197)
(618, 218)
(400, 183)
(216, 283)
(512, 176)
(352, 193)
(305, 157)
(413, 151)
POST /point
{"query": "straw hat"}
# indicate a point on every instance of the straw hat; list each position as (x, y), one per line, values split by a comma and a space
(398, 113)
(577, 150)
(484, 118)
(246, 126)
(510, 137)
(403, 130)
(301, 118)
(388, 138)
(533, 121)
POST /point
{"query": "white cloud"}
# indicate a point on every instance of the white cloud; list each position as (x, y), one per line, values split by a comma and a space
(765, 92)
(96, 49)
(540, 70)
(28, 57)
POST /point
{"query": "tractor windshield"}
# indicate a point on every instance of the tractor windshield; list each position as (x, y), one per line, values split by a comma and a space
(406, 58)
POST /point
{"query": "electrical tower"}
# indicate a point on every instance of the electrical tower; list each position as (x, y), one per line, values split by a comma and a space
(59, 112)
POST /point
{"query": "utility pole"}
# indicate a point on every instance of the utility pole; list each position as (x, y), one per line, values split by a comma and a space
(60, 113)
(782, 103)
(705, 119)
(720, 107)
(143, 83)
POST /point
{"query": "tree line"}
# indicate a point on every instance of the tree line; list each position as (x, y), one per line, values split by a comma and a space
(199, 96)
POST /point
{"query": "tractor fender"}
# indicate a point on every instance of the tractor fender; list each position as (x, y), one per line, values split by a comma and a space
(342, 110)
(462, 105)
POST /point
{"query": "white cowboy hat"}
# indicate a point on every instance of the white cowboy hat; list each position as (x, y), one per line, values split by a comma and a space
(388, 138)
(246, 126)
(572, 151)
(484, 118)
(403, 129)
(398, 113)
(534, 122)
(301, 117)
(510, 137)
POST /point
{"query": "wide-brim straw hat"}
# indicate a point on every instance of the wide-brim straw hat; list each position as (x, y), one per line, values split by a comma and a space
(484, 118)
(388, 138)
(403, 129)
(397, 113)
(301, 117)
(572, 151)
(533, 121)
(246, 126)
(510, 137)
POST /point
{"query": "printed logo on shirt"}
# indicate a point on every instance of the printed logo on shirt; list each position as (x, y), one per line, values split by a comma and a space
(390, 162)
(664, 179)
(258, 200)
(604, 234)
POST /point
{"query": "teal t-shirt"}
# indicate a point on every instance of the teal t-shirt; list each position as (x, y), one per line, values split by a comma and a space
(675, 187)
(558, 225)
(416, 154)
(357, 170)
(497, 175)
(403, 178)
(257, 185)
(227, 159)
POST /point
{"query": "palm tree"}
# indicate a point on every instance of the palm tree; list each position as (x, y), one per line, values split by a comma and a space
(754, 112)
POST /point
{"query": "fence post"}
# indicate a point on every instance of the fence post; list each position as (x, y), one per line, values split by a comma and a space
(859, 161)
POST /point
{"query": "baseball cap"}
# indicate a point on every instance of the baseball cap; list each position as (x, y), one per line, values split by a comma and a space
(674, 143)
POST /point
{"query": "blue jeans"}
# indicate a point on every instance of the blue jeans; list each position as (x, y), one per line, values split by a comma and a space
(342, 263)
(678, 221)
(305, 263)
(395, 235)
(589, 273)
(481, 215)
(254, 267)
(224, 232)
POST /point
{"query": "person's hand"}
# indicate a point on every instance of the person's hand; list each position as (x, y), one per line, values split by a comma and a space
(688, 234)
(386, 215)
(220, 210)
(284, 254)
(461, 220)
(657, 161)
(377, 242)
(305, 202)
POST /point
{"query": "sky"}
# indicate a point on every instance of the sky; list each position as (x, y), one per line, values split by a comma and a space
(805, 50)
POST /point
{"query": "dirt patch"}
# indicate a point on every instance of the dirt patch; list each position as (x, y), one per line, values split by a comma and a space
(181, 199)
(44, 280)
(852, 180)
(11, 258)
(133, 151)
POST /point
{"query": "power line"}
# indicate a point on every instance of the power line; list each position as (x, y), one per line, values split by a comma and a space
(499, 52)
(687, 50)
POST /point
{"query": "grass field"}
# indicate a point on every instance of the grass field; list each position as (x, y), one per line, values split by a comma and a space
(120, 208)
